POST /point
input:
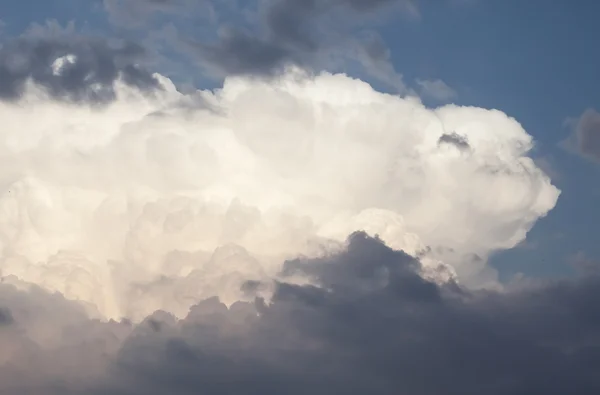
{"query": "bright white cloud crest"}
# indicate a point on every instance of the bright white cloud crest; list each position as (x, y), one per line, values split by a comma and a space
(158, 203)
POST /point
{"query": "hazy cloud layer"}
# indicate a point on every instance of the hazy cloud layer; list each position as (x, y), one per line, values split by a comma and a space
(369, 324)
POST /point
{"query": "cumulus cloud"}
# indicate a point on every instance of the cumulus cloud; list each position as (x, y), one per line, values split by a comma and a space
(198, 242)
(156, 202)
(368, 322)
(69, 66)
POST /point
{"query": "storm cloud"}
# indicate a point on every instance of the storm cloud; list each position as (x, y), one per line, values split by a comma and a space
(368, 322)
(292, 231)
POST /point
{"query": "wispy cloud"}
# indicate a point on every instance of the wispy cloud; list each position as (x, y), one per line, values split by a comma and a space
(436, 89)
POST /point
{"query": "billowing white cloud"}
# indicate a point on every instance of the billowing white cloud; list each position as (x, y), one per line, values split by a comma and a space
(158, 202)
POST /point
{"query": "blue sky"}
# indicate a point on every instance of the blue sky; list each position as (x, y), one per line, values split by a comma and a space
(535, 60)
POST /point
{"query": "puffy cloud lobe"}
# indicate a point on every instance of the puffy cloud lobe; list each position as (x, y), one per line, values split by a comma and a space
(70, 67)
(156, 202)
(368, 322)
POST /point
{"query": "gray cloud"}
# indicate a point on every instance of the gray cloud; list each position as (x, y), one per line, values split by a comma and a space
(70, 66)
(584, 264)
(261, 38)
(5, 317)
(436, 89)
(368, 324)
(586, 137)
(454, 139)
(239, 52)
(135, 13)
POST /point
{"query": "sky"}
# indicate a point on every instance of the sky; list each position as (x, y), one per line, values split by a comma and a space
(299, 196)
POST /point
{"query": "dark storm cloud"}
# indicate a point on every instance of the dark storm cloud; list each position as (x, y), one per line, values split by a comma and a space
(71, 67)
(587, 135)
(369, 323)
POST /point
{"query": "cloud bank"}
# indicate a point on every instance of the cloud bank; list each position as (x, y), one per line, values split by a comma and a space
(158, 201)
(368, 323)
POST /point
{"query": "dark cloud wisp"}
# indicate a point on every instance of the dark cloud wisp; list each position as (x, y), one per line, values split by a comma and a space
(70, 67)
(454, 139)
(263, 38)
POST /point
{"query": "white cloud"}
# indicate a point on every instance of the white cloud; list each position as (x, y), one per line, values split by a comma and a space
(61, 63)
(152, 203)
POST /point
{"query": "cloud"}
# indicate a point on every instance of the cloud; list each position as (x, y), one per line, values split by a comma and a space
(157, 202)
(548, 164)
(137, 13)
(585, 139)
(51, 346)
(454, 139)
(436, 89)
(263, 38)
(69, 66)
(197, 242)
(584, 264)
(5, 317)
(368, 322)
